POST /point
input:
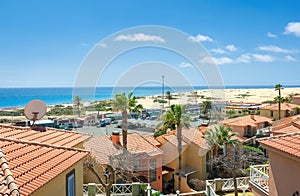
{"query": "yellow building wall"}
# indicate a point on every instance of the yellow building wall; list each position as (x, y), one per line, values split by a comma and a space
(57, 186)
(267, 113)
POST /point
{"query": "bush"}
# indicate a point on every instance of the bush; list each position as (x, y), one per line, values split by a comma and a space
(196, 184)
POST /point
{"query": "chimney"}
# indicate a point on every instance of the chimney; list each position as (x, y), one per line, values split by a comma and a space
(115, 138)
(252, 115)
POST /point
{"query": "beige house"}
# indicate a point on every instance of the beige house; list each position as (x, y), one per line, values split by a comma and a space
(246, 126)
(193, 158)
(142, 162)
(282, 174)
(286, 110)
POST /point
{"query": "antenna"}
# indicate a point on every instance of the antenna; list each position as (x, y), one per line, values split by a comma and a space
(35, 110)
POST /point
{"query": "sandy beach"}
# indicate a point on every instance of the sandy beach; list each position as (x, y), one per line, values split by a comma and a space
(229, 95)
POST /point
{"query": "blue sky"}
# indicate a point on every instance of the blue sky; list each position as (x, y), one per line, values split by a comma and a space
(253, 42)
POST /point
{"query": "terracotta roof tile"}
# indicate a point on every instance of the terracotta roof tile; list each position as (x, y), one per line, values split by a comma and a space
(50, 136)
(101, 147)
(246, 120)
(287, 143)
(195, 136)
(151, 139)
(284, 106)
(33, 164)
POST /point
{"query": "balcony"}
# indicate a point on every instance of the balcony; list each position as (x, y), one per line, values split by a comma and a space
(259, 178)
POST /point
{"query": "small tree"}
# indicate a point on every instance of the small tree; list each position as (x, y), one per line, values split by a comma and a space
(77, 103)
(169, 97)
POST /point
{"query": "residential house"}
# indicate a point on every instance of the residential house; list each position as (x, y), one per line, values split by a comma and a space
(296, 99)
(47, 162)
(280, 176)
(33, 168)
(286, 110)
(247, 126)
(142, 161)
(193, 158)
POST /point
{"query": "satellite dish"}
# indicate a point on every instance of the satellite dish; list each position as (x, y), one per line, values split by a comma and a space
(35, 110)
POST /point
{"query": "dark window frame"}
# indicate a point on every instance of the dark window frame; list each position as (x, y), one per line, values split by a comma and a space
(152, 170)
(67, 180)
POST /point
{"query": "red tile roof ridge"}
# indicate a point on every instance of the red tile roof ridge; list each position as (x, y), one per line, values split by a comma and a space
(42, 144)
(14, 127)
(54, 129)
(279, 136)
(10, 181)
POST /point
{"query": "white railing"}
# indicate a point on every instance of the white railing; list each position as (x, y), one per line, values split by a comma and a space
(226, 184)
(259, 176)
(115, 189)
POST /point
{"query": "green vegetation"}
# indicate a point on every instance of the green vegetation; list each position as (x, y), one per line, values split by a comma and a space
(59, 110)
(253, 149)
(18, 112)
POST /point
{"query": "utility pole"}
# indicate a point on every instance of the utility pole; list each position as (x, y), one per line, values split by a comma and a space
(163, 91)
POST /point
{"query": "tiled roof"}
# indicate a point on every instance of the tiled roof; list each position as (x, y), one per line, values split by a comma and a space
(288, 143)
(7, 182)
(172, 139)
(287, 129)
(102, 147)
(151, 139)
(50, 136)
(246, 120)
(33, 164)
(284, 106)
(195, 136)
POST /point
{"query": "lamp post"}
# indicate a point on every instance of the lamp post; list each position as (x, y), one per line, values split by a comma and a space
(163, 91)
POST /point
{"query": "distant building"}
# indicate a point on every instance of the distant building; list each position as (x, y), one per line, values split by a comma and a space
(247, 126)
(296, 99)
(286, 110)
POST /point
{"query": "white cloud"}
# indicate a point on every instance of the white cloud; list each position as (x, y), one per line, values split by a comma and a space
(185, 65)
(217, 51)
(139, 37)
(276, 49)
(102, 45)
(200, 38)
(263, 58)
(231, 48)
(222, 60)
(244, 58)
(293, 28)
(271, 35)
(290, 58)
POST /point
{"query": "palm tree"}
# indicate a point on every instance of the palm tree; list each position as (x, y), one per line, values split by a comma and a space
(206, 106)
(122, 103)
(220, 137)
(169, 97)
(78, 104)
(176, 119)
(278, 88)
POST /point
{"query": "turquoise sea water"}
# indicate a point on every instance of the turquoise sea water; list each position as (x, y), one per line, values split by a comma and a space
(19, 97)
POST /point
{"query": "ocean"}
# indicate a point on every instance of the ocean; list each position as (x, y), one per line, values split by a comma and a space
(19, 97)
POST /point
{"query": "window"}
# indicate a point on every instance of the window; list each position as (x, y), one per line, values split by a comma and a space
(271, 114)
(152, 170)
(136, 164)
(70, 182)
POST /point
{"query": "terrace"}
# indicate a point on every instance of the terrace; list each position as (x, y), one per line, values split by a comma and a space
(259, 178)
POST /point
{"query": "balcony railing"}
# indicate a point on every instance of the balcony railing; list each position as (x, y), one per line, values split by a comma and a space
(259, 177)
(115, 189)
